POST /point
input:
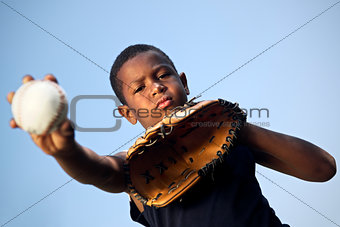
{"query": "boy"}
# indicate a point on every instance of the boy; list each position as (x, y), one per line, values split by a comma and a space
(143, 76)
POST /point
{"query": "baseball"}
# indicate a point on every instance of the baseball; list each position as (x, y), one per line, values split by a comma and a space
(39, 106)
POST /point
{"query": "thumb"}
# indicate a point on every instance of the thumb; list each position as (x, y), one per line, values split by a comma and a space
(63, 137)
(66, 129)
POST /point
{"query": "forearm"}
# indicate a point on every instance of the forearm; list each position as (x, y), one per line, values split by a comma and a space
(87, 167)
(289, 154)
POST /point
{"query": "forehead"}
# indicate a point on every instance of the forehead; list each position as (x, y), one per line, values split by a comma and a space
(142, 63)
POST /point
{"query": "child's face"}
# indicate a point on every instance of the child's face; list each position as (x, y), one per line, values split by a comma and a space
(151, 87)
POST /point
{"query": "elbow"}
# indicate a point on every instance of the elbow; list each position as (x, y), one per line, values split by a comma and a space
(332, 169)
(327, 170)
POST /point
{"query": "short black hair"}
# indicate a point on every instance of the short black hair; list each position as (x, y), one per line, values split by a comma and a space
(127, 54)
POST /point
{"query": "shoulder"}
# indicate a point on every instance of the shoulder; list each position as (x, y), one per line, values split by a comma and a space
(121, 155)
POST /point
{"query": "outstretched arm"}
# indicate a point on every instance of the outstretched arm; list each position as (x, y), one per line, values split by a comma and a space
(289, 154)
(87, 167)
(84, 165)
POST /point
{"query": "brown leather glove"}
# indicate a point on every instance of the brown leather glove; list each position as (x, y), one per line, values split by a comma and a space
(185, 146)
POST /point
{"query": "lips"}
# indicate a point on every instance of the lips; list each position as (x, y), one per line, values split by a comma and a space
(164, 102)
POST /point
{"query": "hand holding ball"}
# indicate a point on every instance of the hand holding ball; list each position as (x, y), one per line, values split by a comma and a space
(39, 106)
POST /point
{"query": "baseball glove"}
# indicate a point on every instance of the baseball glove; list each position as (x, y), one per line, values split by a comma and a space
(185, 146)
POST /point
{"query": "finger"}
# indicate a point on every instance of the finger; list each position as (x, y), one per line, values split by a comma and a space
(13, 124)
(27, 78)
(40, 141)
(10, 97)
(51, 77)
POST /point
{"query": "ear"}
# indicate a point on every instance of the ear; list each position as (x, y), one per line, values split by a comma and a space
(128, 113)
(184, 82)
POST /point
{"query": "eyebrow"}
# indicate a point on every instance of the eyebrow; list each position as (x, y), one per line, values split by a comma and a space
(136, 81)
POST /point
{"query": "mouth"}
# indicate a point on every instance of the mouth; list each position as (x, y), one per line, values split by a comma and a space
(164, 102)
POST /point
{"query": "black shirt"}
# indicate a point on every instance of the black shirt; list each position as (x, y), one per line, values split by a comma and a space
(231, 197)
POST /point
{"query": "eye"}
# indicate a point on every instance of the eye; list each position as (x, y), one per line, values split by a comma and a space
(139, 89)
(163, 75)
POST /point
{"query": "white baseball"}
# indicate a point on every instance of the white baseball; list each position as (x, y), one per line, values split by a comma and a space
(39, 106)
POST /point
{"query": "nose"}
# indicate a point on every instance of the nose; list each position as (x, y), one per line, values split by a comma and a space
(158, 88)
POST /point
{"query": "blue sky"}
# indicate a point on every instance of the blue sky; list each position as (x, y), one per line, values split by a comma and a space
(297, 80)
